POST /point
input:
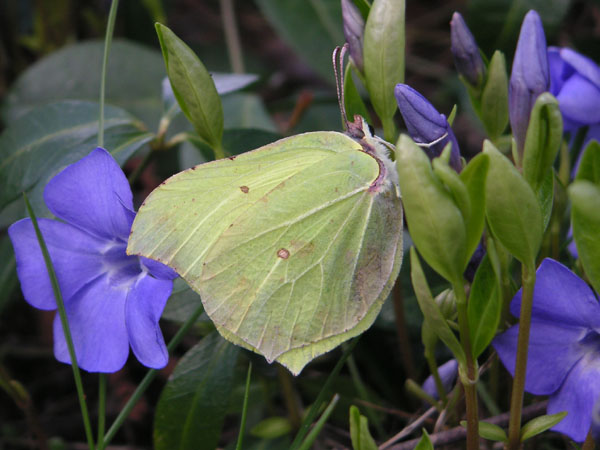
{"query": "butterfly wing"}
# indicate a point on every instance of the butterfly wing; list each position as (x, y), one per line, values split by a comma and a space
(287, 246)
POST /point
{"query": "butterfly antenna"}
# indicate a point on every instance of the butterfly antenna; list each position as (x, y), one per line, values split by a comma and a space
(432, 143)
(338, 69)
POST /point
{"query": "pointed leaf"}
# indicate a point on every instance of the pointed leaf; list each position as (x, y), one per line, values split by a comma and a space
(434, 221)
(359, 431)
(589, 166)
(540, 424)
(192, 86)
(494, 98)
(384, 54)
(544, 137)
(484, 307)
(431, 310)
(425, 442)
(585, 217)
(489, 431)
(193, 404)
(512, 210)
(474, 176)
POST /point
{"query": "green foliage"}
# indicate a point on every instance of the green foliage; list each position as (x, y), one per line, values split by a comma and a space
(484, 307)
(193, 87)
(494, 97)
(353, 101)
(431, 310)
(193, 404)
(384, 55)
(540, 424)
(512, 209)
(425, 442)
(359, 431)
(585, 217)
(291, 18)
(435, 222)
(63, 133)
(272, 428)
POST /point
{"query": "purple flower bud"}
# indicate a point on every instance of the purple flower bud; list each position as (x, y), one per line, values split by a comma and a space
(425, 125)
(467, 58)
(447, 372)
(354, 27)
(530, 75)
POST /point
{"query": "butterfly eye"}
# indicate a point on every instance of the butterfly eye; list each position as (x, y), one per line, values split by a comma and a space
(371, 129)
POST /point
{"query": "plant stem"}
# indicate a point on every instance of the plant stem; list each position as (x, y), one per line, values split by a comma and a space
(232, 38)
(101, 409)
(518, 387)
(389, 129)
(401, 330)
(110, 26)
(290, 396)
(470, 384)
(244, 409)
(65, 325)
(110, 434)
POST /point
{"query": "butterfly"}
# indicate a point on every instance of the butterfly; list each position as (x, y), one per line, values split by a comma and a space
(293, 247)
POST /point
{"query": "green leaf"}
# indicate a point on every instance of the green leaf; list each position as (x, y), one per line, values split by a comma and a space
(38, 145)
(484, 307)
(425, 442)
(494, 98)
(589, 166)
(133, 80)
(192, 86)
(540, 424)
(489, 431)
(193, 404)
(353, 101)
(292, 19)
(585, 217)
(431, 310)
(383, 52)
(544, 137)
(474, 176)
(512, 209)
(359, 431)
(243, 110)
(435, 223)
(545, 197)
(272, 428)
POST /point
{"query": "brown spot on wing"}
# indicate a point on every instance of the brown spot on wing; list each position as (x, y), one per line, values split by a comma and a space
(244, 189)
(283, 253)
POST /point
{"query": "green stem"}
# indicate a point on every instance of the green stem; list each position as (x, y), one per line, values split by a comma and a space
(314, 409)
(433, 368)
(139, 391)
(101, 409)
(65, 325)
(363, 394)
(219, 152)
(518, 387)
(110, 26)
(389, 129)
(470, 383)
(290, 396)
(312, 436)
(244, 409)
(232, 38)
(402, 331)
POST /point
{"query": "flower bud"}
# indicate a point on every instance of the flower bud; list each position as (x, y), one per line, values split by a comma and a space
(425, 125)
(467, 58)
(530, 75)
(354, 27)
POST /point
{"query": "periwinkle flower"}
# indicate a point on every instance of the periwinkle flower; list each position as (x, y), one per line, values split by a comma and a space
(447, 372)
(354, 30)
(467, 58)
(564, 346)
(112, 300)
(575, 82)
(529, 77)
(425, 125)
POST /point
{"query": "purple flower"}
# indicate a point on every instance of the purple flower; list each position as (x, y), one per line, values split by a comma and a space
(425, 125)
(112, 300)
(467, 58)
(354, 29)
(564, 346)
(447, 372)
(529, 76)
(575, 82)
